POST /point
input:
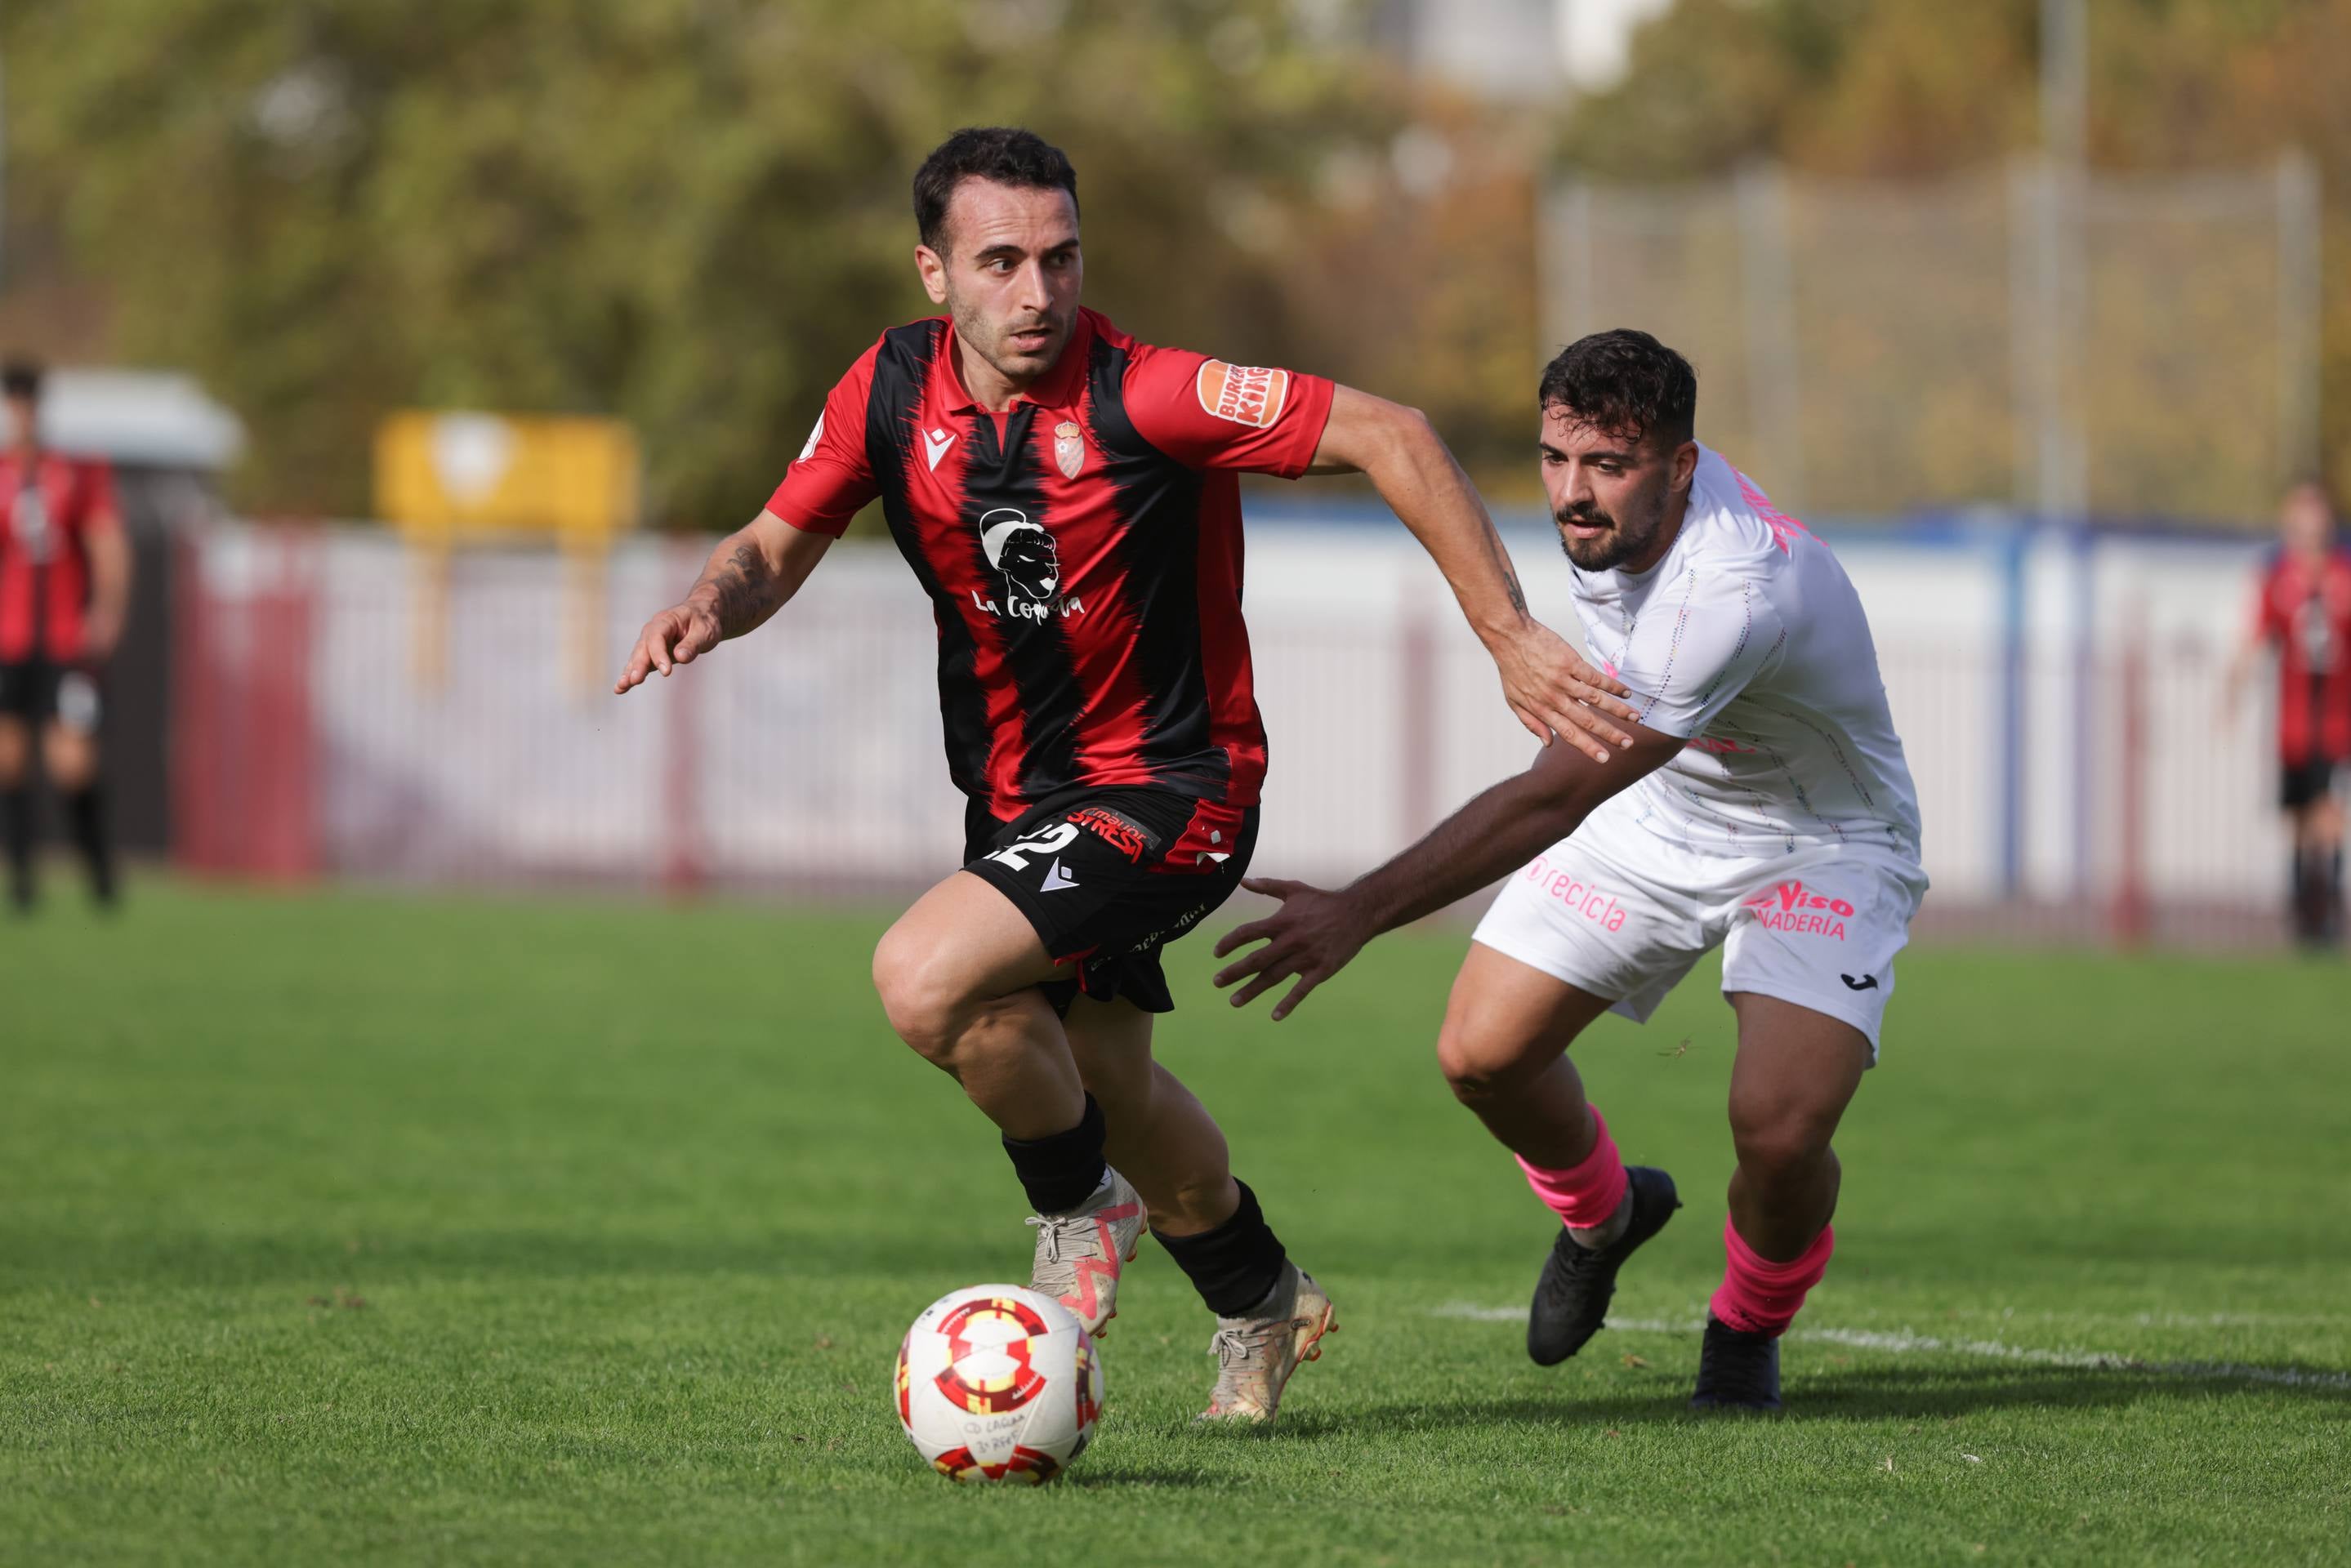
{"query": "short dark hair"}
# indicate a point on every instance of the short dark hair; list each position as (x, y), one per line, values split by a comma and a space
(20, 377)
(1624, 383)
(1005, 154)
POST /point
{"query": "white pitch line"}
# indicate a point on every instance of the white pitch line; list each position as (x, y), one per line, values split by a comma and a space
(1903, 1342)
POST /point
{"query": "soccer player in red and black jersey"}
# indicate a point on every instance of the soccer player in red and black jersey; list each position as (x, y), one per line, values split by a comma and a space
(1067, 498)
(2303, 611)
(65, 586)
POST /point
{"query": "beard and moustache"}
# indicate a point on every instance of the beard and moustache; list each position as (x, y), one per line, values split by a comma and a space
(994, 344)
(1622, 542)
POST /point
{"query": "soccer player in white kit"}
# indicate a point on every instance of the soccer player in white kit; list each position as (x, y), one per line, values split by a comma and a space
(1763, 806)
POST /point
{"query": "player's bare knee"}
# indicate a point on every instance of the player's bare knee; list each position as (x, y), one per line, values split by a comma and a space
(924, 1002)
(1781, 1141)
(1477, 1065)
(70, 760)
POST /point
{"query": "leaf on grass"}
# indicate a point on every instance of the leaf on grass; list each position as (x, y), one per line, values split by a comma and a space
(1633, 1360)
(1887, 1464)
(1972, 1459)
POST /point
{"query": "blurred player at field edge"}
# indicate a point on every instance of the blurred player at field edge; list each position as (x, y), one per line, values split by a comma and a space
(1765, 807)
(65, 587)
(1067, 497)
(2303, 611)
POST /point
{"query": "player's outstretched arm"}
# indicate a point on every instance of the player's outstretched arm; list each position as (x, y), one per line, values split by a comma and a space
(1316, 932)
(1549, 688)
(751, 575)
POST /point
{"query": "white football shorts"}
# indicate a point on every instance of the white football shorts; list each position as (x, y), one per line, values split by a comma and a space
(1623, 913)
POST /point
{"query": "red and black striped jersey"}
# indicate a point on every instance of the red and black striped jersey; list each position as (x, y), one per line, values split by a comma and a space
(1081, 549)
(48, 509)
(2304, 609)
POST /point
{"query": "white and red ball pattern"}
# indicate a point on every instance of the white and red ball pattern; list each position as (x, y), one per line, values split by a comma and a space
(996, 1383)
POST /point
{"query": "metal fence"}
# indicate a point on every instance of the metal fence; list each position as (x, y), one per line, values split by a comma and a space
(2074, 347)
(344, 712)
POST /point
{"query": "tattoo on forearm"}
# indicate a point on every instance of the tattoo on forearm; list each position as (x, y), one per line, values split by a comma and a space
(1518, 595)
(745, 591)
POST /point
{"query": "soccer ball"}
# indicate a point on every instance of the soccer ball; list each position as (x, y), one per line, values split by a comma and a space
(996, 1383)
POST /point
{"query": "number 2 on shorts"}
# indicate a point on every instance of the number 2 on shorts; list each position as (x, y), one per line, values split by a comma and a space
(1044, 841)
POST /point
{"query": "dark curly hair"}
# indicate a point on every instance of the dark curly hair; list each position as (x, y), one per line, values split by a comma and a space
(1624, 383)
(1005, 154)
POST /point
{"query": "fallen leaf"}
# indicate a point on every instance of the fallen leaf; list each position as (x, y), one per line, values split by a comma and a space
(1887, 1466)
(1633, 1360)
(1973, 1459)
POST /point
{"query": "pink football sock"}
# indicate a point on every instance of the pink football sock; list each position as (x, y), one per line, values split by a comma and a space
(1760, 1296)
(1586, 1193)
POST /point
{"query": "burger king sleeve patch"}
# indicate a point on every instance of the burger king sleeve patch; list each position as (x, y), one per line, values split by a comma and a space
(1210, 413)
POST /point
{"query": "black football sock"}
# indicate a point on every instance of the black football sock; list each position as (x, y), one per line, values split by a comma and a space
(85, 814)
(1061, 1171)
(2331, 909)
(1235, 1266)
(2300, 902)
(16, 826)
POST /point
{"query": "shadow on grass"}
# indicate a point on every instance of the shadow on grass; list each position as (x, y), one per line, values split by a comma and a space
(1090, 1475)
(178, 1259)
(1861, 1394)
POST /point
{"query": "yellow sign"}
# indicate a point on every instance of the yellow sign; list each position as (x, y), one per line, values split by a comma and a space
(452, 478)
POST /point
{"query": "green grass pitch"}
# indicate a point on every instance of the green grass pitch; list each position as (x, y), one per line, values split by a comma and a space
(361, 1229)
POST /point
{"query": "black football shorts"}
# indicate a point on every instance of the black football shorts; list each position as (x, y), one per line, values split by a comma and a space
(1109, 877)
(37, 690)
(2306, 783)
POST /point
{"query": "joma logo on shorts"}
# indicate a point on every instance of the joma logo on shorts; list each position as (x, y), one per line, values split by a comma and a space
(1793, 907)
(1601, 908)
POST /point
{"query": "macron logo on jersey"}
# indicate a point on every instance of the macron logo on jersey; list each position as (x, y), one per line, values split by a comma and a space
(935, 446)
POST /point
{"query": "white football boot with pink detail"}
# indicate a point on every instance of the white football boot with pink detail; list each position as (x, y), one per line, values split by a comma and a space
(1081, 1253)
(1257, 1354)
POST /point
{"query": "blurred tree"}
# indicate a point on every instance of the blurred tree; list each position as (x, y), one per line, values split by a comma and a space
(692, 214)
(1893, 87)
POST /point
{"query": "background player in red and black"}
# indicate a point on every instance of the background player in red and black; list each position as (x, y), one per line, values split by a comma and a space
(2303, 613)
(65, 583)
(1067, 498)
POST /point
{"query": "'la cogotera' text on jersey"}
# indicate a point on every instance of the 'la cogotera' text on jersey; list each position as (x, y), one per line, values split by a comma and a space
(1748, 640)
(1083, 551)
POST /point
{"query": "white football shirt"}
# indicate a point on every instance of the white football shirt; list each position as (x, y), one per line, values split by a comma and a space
(1748, 640)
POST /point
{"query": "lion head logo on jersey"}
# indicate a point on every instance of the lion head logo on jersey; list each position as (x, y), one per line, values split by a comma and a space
(1024, 553)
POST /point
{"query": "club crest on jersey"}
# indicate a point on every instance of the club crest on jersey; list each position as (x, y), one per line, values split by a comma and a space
(1245, 394)
(1031, 565)
(1069, 449)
